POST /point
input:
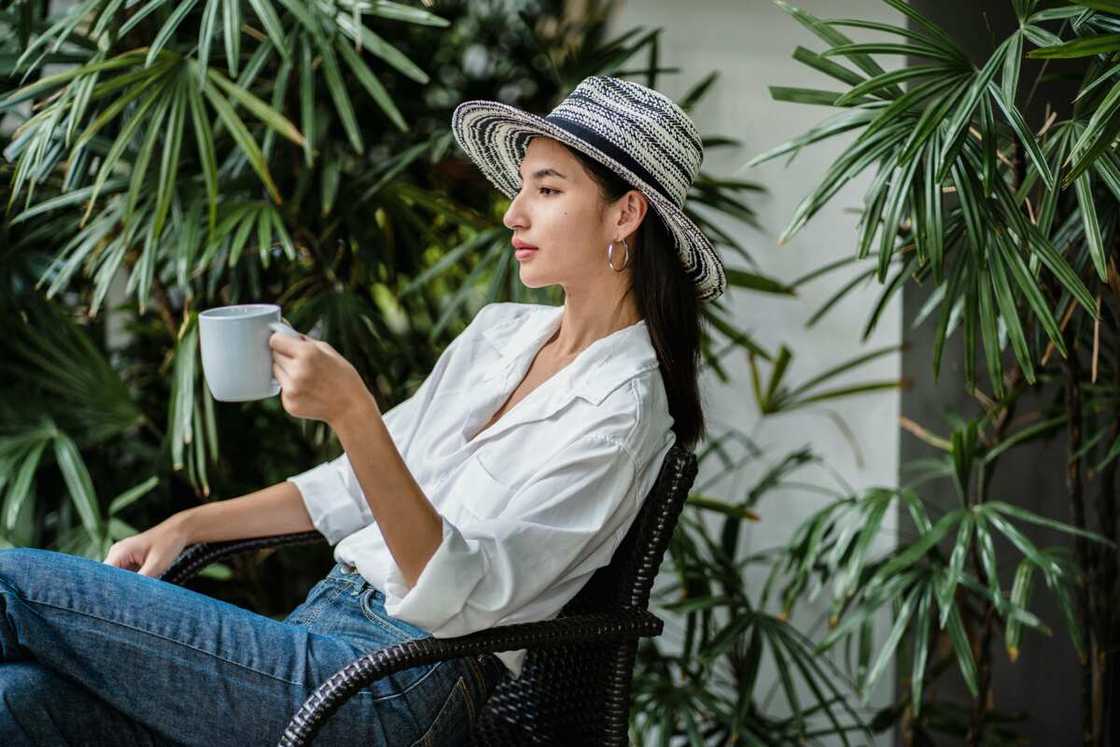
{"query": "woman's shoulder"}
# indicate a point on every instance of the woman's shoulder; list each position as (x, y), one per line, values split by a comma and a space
(637, 413)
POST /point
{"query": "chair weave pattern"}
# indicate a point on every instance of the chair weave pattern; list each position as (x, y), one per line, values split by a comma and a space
(574, 688)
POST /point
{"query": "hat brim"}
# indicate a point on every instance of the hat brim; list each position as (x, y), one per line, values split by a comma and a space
(495, 136)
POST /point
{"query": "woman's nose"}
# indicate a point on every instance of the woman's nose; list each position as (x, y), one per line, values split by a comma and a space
(514, 217)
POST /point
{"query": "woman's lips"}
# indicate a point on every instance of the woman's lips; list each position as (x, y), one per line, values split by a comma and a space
(523, 250)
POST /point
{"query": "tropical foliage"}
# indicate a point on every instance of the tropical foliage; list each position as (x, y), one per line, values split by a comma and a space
(1014, 227)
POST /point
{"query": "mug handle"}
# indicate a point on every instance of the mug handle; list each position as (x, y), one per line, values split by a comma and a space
(282, 327)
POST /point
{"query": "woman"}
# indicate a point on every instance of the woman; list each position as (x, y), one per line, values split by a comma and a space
(487, 498)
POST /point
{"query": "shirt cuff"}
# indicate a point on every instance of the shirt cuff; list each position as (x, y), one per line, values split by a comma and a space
(443, 587)
(333, 509)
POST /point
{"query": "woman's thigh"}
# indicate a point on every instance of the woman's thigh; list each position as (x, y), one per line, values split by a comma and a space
(202, 671)
(448, 694)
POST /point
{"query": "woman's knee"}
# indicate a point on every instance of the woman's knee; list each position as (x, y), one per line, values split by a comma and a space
(17, 571)
(19, 564)
(15, 561)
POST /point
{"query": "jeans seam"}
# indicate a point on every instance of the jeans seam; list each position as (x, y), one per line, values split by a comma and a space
(163, 638)
(246, 667)
(317, 611)
(472, 716)
(476, 671)
(461, 685)
(426, 675)
(364, 605)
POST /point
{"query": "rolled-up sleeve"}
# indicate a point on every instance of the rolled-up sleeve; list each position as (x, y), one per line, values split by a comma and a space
(334, 499)
(331, 491)
(564, 522)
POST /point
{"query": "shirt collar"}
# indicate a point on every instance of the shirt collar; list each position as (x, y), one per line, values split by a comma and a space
(597, 370)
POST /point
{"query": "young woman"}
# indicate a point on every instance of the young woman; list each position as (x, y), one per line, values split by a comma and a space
(487, 498)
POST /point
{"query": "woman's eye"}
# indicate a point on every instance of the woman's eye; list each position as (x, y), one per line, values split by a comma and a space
(541, 190)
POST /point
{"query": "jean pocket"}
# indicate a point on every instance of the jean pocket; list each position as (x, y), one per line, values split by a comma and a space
(309, 610)
(373, 607)
(454, 721)
(388, 632)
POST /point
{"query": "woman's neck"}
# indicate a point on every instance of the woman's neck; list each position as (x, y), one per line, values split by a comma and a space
(579, 330)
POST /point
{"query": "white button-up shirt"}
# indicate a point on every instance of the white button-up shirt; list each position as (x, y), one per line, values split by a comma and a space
(531, 506)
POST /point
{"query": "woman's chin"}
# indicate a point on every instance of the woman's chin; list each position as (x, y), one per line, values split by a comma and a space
(533, 279)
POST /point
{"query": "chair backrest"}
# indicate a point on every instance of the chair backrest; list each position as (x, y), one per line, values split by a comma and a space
(581, 694)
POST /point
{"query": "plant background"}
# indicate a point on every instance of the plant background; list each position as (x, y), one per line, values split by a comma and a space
(1000, 445)
(359, 217)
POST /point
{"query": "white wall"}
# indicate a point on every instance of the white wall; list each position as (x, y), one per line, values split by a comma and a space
(751, 43)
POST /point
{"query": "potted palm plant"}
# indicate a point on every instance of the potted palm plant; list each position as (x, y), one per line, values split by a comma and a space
(1013, 229)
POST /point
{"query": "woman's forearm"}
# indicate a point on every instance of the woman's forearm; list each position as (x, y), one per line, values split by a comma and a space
(277, 509)
(410, 524)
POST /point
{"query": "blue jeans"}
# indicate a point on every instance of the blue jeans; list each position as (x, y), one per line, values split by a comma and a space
(91, 654)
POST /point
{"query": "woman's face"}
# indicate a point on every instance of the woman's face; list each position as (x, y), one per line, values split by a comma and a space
(560, 211)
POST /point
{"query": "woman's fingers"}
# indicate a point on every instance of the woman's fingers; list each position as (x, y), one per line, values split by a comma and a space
(153, 566)
(283, 345)
(280, 373)
(120, 557)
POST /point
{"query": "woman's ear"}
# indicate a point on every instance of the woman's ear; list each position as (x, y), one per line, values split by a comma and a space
(632, 208)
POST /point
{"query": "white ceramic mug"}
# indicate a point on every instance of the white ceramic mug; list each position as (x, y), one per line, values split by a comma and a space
(236, 359)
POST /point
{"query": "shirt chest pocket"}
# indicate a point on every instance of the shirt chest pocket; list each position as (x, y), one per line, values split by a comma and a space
(476, 492)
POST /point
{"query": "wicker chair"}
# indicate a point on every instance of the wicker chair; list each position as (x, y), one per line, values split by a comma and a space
(575, 684)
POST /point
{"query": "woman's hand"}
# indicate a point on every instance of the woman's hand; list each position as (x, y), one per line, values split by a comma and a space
(152, 551)
(315, 381)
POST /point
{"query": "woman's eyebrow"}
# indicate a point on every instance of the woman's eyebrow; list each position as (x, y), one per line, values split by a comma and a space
(541, 173)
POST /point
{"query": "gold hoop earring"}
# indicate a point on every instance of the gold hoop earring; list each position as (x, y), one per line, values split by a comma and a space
(610, 256)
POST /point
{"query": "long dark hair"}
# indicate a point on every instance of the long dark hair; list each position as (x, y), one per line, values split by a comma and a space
(666, 299)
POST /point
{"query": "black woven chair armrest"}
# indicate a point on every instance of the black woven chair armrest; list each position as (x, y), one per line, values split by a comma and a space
(578, 629)
(198, 556)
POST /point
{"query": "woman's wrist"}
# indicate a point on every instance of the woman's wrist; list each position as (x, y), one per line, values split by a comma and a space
(356, 415)
(183, 523)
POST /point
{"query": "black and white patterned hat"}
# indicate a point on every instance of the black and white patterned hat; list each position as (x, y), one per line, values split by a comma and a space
(639, 133)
